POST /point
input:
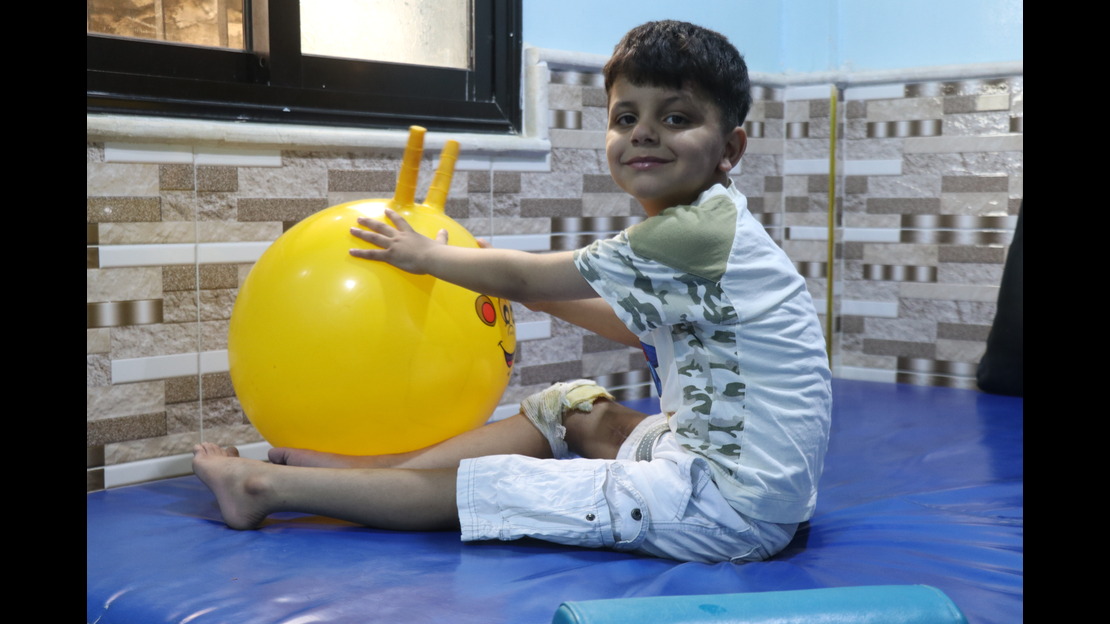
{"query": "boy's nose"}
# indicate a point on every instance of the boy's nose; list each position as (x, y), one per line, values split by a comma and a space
(643, 133)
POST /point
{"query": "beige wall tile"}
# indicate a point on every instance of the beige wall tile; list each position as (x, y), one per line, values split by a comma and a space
(116, 179)
(97, 340)
(123, 284)
(149, 340)
(147, 233)
(161, 446)
(124, 400)
(905, 109)
(228, 232)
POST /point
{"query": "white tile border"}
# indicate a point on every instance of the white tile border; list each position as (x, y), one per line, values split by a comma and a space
(873, 167)
(522, 242)
(876, 92)
(865, 374)
(152, 153)
(972, 144)
(157, 367)
(808, 166)
(533, 330)
(808, 92)
(872, 235)
(226, 253)
(169, 153)
(807, 232)
(880, 309)
(117, 256)
(237, 157)
(130, 473)
(214, 362)
(531, 162)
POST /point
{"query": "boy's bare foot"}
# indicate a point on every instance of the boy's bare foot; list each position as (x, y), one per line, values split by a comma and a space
(238, 483)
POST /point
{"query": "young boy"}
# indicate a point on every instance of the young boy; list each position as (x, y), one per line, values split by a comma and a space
(730, 466)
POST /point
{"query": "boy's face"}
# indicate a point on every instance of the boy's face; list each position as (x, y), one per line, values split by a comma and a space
(665, 146)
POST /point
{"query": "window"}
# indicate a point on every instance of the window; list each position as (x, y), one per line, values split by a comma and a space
(260, 61)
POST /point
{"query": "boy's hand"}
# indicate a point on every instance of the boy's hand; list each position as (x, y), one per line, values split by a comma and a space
(505, 273)
(401, 246)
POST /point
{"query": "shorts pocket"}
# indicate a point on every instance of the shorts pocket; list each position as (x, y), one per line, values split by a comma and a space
(629, 511)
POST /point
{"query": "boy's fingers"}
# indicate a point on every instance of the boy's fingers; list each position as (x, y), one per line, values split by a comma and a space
(370, 236)
(398, 221)
(369, 254)
(375, 225)
(441, 236)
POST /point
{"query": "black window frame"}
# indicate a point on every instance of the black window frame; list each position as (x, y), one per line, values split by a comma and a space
(272, 82)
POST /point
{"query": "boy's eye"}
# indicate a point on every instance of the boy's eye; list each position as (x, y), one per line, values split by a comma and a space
(624, 119)
(675, 119)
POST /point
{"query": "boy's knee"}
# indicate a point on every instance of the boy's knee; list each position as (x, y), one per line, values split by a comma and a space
(599, 433)
(581, 425)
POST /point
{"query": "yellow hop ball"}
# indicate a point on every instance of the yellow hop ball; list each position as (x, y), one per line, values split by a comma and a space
(339, 354)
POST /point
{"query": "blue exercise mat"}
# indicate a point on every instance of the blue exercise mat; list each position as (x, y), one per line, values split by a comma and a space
(922, 486)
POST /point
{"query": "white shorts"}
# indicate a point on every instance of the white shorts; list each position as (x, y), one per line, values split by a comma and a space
(667, 506)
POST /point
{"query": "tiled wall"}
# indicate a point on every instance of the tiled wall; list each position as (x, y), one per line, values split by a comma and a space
(932, 188)
(927, 193)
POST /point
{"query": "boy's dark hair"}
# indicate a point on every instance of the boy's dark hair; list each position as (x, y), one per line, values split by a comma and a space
(671, 53)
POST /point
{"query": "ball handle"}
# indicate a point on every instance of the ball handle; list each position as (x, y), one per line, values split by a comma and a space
(405, 193)
(441, 183)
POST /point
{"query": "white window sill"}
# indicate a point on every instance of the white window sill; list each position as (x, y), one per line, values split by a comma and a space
(163, 130)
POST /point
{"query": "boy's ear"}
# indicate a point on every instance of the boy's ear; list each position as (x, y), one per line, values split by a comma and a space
(735, 143)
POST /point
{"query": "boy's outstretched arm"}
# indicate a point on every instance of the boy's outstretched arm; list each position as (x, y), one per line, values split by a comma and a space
(515, 275)
(594, 314)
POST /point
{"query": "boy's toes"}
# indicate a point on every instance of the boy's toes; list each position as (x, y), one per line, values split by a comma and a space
(212, 449)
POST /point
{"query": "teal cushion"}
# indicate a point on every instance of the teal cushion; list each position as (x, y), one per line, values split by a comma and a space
(882, 604)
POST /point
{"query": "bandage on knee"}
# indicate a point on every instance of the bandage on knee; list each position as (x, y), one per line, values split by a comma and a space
(546, 409)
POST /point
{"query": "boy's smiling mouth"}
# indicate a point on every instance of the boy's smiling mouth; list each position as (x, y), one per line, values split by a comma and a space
(645, 162)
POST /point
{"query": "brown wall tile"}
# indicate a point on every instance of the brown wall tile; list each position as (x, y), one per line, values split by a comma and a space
(899, 348)
(125, 428)
(175, 177)
(599, 183)
(550, 373)
(961, 331)
(217, 179)
(219, 276)
(592, 343)
(122, 209)
(974, 184)
(368, 181)
(903, 205)
(279, 209)
(550, 207)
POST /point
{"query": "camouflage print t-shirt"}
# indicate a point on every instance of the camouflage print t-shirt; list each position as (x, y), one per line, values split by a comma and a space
(734, 343)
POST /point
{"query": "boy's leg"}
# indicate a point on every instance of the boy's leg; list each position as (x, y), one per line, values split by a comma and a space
(511, 436)
(249, 490)
(581, 417)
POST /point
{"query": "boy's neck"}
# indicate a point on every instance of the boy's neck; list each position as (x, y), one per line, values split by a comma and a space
(654, 208)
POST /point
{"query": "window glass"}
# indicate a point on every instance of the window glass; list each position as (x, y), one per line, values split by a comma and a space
(457, 68)
(394, 31)
(212, 23)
